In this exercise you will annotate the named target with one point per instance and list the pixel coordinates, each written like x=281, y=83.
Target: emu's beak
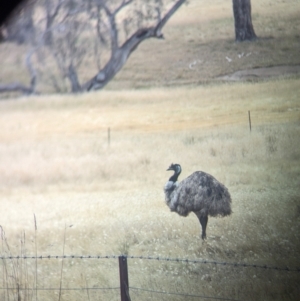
x=170, y=168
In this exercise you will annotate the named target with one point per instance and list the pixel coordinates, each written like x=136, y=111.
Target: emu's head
x=175, y=167
x=177, y=171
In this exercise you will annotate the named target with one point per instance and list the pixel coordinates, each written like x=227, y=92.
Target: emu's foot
x=203, y=236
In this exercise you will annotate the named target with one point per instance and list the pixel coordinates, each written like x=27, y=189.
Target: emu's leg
x=203, y=221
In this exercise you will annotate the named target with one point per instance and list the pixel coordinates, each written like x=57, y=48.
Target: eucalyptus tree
x=74, y=32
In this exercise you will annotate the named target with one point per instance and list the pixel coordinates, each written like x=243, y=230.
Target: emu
x=200, y=193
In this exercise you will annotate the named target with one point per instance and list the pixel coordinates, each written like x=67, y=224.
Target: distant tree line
x=68, y=32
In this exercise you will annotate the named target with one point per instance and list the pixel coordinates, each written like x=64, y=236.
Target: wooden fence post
x=124, y=285
x=249, y=120
x=108, y=136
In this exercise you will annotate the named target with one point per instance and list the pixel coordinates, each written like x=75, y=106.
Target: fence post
x=124, y=285
x=108, y=136
x=249, y=120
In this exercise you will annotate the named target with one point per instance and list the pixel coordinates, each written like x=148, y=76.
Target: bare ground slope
x=262, y=73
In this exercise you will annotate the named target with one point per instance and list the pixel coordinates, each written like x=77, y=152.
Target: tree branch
x=166, y=18
x=32, y=71
x=50, y=19
x=112, y=21
x=101, y=37
x=15, y=87
x=155, y=31
x=113, y=28
x=56, y=10
x=122, y=5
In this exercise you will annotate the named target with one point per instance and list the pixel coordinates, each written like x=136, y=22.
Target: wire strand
x=57, y=288
x=184, y=260
x=181, y=294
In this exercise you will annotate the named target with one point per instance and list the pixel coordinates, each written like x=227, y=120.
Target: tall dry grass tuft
x=18, y=279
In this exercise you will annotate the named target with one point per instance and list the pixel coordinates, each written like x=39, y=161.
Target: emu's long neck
x=175, y=176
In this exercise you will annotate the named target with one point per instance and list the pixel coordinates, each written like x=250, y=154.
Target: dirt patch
x=261, y=73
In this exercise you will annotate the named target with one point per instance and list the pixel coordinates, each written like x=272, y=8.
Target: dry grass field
x=91, y=197
x=56, y=163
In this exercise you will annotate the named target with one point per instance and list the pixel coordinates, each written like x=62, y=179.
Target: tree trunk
x=242, y=21
x=73, y=78
x=15, y=87
x=48, y=35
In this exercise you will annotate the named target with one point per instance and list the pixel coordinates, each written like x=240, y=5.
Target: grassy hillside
x=56, y=163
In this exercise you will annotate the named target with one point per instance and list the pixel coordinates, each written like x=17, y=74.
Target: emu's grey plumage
x=200, y=193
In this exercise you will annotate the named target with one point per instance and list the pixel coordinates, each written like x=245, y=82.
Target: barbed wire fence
x=122, y=286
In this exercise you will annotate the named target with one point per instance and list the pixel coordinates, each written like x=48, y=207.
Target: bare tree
x=71, y=31
x=244, y=30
